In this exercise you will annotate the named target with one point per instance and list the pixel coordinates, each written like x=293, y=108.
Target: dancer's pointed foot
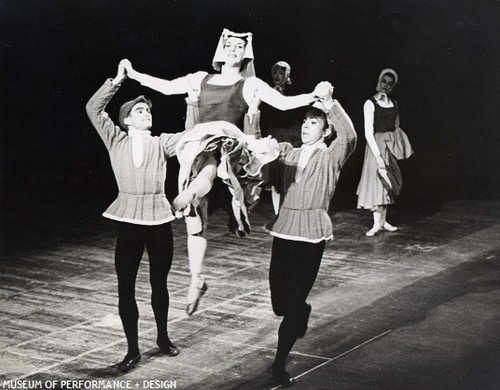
x=195, y=292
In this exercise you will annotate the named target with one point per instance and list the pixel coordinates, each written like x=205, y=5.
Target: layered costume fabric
x=393, y=143
x=240, y=160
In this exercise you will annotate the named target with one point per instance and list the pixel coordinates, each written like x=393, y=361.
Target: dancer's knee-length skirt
x=371, y=193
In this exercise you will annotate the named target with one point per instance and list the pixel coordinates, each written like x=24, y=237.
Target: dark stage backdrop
x=55, y=54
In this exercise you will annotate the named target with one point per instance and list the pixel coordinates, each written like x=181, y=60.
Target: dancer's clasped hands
x=323, y=90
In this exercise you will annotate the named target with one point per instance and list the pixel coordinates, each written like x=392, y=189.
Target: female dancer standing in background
x=385, y=142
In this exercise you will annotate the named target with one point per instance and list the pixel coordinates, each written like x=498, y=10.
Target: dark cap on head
x=127, y=107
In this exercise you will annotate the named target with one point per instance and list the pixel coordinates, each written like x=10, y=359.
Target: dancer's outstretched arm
x=178, y=86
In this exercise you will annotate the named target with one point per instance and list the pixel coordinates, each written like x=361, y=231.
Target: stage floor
x=415, y=309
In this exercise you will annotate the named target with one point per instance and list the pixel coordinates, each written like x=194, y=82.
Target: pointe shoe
x=128, y=363
x=167, y=347
x=374, y=230
x=387, y=226
x=283, y=378
x=194, y=295
x=234, y=228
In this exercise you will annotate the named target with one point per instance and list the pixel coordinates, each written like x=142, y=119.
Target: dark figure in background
x=141, y=209
x=282, y=125
x=385, y=143
x=307, y=179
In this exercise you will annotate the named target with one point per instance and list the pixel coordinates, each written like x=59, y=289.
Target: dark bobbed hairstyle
x=313, y=112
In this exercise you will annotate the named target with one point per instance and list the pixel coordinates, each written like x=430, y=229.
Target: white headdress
x=247, y=68
x=384, y=72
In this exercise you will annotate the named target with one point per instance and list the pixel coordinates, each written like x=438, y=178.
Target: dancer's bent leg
x=199, y=187
x=195, y=197
x=293, y=270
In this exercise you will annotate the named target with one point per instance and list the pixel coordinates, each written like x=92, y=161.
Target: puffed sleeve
x=169, y=141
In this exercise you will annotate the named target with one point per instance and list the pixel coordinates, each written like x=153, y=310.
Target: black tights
x=293, y=270
x=132, y=239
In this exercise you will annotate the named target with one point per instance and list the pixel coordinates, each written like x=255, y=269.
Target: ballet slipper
x=196, y=290
x=374, y=230
x=387, y=226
